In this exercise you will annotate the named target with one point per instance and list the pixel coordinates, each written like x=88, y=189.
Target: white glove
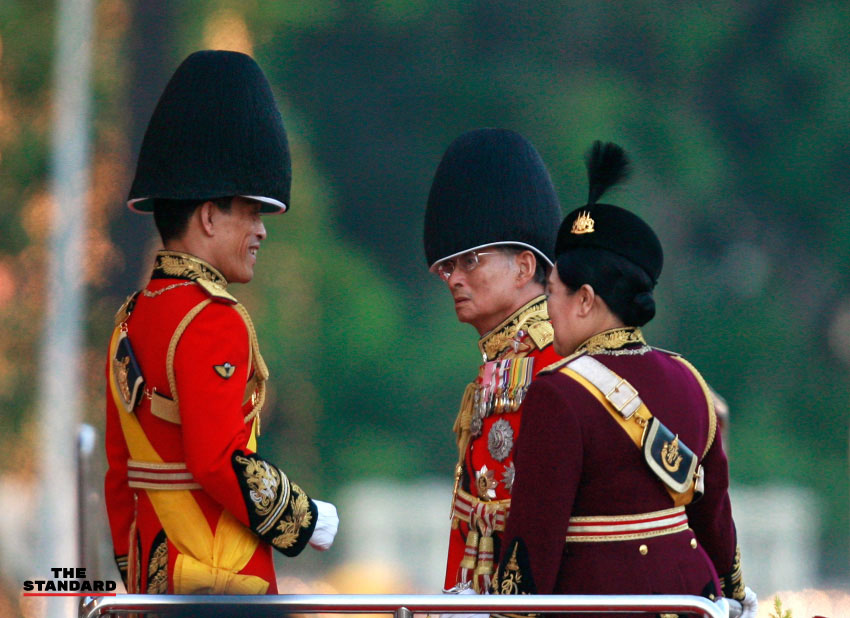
x=748, y=608
x=327, y=523
x=463, y=591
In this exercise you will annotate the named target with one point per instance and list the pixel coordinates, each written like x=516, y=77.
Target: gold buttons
x=643, y=549
x=694, y=543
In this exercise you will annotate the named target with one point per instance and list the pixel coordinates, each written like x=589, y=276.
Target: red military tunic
x=192, y=508
x=487, y=427
x=582, y=479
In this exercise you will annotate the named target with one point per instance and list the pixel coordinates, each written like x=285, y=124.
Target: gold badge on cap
x=583, y=224
x=224, y=371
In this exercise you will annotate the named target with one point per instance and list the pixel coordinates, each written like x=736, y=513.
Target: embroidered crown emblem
x=670, y=455
x=583, y=224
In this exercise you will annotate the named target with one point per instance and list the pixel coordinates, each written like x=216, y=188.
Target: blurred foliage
x=735, y=115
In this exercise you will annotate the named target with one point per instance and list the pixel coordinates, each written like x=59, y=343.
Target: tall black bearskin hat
x=491, y=188
x=603, y=226
x=215, y=132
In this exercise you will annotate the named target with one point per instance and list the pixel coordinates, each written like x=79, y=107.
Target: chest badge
x=670, y=457
x=500, y=440
x=485, y=482
x=224, y=371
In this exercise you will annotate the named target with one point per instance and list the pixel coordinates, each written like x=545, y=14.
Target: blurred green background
x=735, y=115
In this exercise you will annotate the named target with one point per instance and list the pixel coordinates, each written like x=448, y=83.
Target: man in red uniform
x=490, y=229
x=621, y=483
x=192, y=508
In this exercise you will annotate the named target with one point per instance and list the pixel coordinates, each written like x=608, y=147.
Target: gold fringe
x=464, y=417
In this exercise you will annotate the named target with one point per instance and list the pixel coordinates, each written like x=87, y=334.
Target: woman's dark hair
x=172, y=216
x=624, y=286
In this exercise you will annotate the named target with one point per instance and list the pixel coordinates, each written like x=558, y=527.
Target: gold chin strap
x=208, y=563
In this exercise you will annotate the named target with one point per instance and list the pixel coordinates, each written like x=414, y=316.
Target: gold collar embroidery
x=177, y=265
x=613, y=339
x=533, y=316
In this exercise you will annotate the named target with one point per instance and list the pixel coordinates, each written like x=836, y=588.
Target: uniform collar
x=611, y=340
x=532, y=318
x=178, y=265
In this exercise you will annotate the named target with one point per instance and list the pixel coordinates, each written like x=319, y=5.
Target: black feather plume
x=607, y=164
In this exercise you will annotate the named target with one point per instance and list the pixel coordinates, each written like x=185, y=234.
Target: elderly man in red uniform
x=490, y=227
x=621, y=482
x=193, y=509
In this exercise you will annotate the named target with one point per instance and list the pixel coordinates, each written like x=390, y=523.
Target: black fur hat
x=604, y=226
x=215, y=132
x=491, y=187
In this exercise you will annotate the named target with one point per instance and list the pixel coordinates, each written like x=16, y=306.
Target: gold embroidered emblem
x=263, y=481
x=291, y=525
x=158, y=570
x=583, y=224
x=670, y=457
x=513, y=576
x=121, y=368
x=224, y=371
x=612, y=340
x=735, y=579
x=185, y=266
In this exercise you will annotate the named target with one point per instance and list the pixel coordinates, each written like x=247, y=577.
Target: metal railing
x=402, y=606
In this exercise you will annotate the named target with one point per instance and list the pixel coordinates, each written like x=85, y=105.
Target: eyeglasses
x=467, y=262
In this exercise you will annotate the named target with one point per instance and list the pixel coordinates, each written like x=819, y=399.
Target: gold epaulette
x=541, y=333
x=124, y=312
x=216, y=291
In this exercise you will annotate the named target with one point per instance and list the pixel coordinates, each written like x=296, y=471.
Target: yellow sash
x=207, y=563
x=634, y=426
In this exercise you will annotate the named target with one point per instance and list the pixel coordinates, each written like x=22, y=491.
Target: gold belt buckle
x=616, y=389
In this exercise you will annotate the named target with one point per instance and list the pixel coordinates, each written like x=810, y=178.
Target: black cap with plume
x=216, y=132
x=604, y=226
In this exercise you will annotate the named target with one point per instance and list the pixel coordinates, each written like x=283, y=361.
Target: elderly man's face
x=487, y=293
x=240, y=233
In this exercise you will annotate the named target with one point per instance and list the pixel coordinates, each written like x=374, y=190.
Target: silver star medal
x=508, y=476
x=500, y=440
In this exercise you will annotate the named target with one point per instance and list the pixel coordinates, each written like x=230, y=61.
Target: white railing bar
x=402, y=606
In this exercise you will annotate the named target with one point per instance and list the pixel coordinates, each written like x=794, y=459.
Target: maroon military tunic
x=588, y=516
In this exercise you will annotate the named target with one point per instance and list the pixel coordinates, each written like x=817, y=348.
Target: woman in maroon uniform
x=621, y=479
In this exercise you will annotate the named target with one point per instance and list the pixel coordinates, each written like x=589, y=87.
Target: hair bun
x=643, y=308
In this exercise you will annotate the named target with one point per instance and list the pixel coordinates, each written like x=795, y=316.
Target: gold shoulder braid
x=177, y=265
x=532, y=318
x=261, y=370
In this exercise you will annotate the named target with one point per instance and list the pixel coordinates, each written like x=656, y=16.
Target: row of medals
x=501, y=389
